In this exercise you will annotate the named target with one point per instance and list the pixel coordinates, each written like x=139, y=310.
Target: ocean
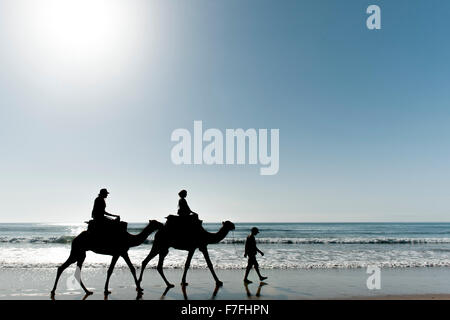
x=286, y=246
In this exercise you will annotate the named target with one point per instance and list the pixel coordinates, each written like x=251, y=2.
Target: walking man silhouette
x=251, y=250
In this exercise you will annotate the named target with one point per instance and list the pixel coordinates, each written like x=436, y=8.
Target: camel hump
x=107, y=227
x=183, y=222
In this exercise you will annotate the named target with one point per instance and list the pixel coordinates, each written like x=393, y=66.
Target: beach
x=408, y=283
x=302, y=261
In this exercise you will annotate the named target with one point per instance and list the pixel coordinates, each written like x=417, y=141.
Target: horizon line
x=246, y=222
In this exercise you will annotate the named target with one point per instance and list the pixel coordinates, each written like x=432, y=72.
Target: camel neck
x=218, y=236
x=138, y=239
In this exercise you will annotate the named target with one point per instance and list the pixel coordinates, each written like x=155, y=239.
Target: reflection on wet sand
x=258, y=291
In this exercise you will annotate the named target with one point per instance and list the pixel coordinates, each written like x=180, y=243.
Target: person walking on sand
x=251, y=250
x=183, y=207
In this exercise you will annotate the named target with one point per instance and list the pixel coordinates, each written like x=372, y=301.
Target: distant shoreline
x=251, y=222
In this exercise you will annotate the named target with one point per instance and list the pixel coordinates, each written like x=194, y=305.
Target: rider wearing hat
x=98, y=212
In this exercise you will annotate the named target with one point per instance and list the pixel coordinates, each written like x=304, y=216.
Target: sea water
x=286, y=246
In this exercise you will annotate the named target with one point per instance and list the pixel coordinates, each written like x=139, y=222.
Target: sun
x=79, y=30
x=76, y=39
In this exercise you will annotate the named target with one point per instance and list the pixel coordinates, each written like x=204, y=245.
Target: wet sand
x=396, y=284
x=408, y=297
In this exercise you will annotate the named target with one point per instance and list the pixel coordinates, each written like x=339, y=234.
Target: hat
x=104, y=191
x=255, y=230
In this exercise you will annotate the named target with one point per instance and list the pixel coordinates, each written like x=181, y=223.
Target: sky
x=91, y=91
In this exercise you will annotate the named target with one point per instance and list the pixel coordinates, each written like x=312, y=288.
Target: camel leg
x=186, y=267
x=153, y=253
x=162, y=255
x=210, y=266
x=72, y=258
x=80, y=265
x=133, y=271
x=110, y=271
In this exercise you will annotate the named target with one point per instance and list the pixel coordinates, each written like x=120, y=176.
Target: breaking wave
x=287, y=241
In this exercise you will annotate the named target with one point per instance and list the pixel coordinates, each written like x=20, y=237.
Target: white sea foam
x=226, y=257
x=350, y=240
x=286, y=246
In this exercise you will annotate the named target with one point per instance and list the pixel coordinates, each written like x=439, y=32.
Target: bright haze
x=91, y=90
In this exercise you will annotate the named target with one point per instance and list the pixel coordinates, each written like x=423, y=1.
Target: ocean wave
x=380, y=240
x=38, y=240
x=287, y=241
x=43, y=240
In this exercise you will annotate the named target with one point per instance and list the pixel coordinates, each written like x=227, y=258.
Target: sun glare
x=76, y=38
x=79, y=30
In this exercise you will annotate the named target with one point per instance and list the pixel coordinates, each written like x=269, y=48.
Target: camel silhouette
x=188, y=240
x=113, y=245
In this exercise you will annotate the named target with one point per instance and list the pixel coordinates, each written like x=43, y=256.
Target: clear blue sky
x=90, y=92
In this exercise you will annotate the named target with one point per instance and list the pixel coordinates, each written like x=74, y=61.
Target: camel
x=115, y=246
x=188, y=240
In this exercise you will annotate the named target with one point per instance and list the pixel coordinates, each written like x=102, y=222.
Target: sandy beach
x=302, y=261
x=410, y=297
x=407, y=283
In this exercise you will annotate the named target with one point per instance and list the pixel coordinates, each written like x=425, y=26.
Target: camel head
x=155, y=225
x=228, y=225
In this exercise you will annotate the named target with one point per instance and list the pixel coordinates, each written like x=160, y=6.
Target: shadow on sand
x=258, y=291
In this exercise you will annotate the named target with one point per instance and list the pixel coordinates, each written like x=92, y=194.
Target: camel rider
x=183, y=207
x=98, y=212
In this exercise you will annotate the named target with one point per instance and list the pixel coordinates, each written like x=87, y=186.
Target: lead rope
x=234, y=244
x=238, y=255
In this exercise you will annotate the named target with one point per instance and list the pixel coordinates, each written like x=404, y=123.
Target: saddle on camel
x=183, y=224
x=101, y=225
